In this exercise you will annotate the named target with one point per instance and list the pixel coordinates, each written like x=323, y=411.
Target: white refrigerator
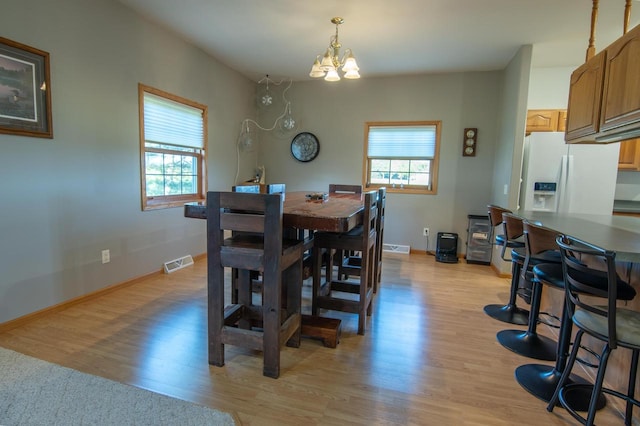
x=568, y=178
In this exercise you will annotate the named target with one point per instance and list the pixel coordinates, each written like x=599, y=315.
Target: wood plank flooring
x=429, y=356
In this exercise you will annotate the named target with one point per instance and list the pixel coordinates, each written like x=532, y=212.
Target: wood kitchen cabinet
x=562, y=120
x=585, y=92
x=621, y=96
x=604, y=93
x=546, y=120
x=629, y=155
x=542, y=120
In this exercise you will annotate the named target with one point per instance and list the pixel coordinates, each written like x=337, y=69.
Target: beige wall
x=336, y=114
x=64, y=200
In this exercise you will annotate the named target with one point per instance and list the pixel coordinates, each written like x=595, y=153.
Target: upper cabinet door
x=621, y=98
x=585, y=93
x=542, y=120
x=629, y=155
x=562, y=120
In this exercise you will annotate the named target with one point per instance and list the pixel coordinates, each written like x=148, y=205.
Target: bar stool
x=541, y=380
x=256, y=244
x=363, y=239
x=614, y=326
x=495, y=218
x=513, y=233
x=540, y=247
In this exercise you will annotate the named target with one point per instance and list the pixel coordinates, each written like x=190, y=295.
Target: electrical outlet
x=106, y=256
x=425, y=232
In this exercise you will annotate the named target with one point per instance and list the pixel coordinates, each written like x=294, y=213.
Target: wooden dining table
x=339, y=212
x=330, y=212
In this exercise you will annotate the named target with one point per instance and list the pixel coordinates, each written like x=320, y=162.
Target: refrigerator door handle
x=563, y=180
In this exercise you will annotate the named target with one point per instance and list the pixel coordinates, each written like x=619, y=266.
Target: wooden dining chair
x=256, y=244
x=340, y=257
x=246, y=188
x=276, y=188
x=339, y=187
x=352, y=263
x=326, y=295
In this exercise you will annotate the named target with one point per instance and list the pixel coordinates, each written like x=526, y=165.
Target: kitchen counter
x=626, y=206
x=618, y=233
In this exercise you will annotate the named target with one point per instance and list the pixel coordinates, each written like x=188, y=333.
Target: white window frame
x=171, y=145
x=408, y=152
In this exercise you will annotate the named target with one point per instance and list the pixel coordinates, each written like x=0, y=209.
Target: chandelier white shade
x=327, y=65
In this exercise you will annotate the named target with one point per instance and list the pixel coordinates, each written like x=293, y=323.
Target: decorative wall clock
x=305, y=147
x=469, y=142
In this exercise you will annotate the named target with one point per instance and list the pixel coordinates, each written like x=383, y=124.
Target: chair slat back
x=247, y=212
x=382, y=202
x=538, y=238
x=495, y=214
x=276, y=188
x=354, y=189
x=254, y=189
x=370, y=213
x=242, y=222
x=513, y=226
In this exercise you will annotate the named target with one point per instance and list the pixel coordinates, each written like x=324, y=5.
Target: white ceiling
x=282, y=37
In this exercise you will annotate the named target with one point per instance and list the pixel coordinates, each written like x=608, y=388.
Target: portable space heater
x=447, y=247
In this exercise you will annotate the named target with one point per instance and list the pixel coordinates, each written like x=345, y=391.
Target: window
x=173, y=134
x=403, y=156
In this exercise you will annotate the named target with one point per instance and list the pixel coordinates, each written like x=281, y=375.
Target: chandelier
x=327, y=66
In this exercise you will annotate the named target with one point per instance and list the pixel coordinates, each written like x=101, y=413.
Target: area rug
x=35, y=392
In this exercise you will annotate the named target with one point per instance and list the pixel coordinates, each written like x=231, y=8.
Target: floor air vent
x=396, y=248
x=174, y=265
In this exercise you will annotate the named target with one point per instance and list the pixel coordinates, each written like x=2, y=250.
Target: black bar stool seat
x=540, y=249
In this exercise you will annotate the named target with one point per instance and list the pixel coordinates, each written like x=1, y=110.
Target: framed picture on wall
x=25, y=90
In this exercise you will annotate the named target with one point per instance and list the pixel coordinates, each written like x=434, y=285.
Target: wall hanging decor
x=25, y=90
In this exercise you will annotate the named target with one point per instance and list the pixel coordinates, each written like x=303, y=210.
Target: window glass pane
x=188, y=165
x=379, y=177
x=380, y=164
x=155, y=185
x=172, y=185
x=188, y=185
x=154, y=163
x=400, y=165
x=399, y=177
x=419, y=179
x=420, y=166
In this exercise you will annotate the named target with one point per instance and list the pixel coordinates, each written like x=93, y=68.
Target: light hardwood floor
x=429, y=356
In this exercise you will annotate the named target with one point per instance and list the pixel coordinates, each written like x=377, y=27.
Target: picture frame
x=25, y=90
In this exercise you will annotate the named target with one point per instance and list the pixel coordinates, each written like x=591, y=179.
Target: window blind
x=402, y=141
x=171, y=122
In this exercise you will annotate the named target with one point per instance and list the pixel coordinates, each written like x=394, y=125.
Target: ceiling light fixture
x=327, y=66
